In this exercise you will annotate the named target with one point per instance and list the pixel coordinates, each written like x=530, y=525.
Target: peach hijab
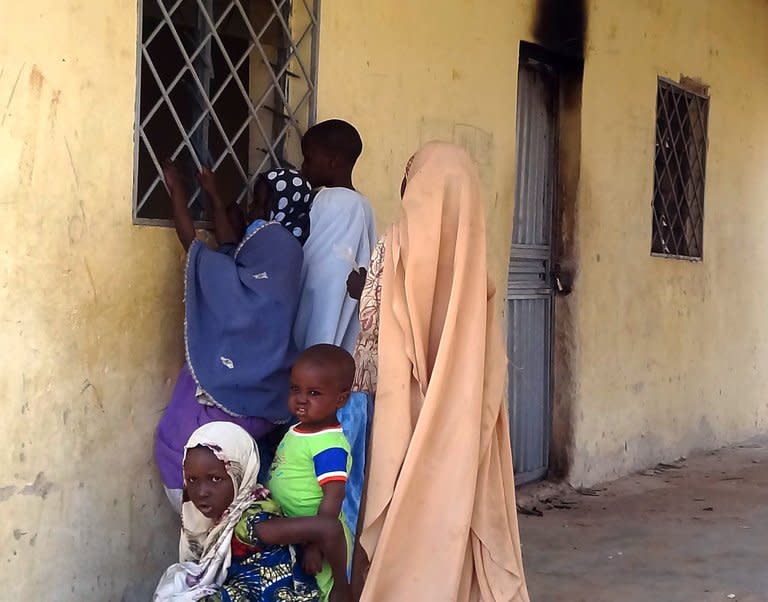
x=440, y=519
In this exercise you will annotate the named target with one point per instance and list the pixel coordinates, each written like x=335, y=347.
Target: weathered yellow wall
x=89, y=313
x=671, y=354
x=668, y=354
x=409, y=72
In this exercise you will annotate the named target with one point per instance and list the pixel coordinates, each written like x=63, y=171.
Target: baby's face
x=315, y=394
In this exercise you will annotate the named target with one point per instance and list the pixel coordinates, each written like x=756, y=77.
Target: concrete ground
x=692, y=531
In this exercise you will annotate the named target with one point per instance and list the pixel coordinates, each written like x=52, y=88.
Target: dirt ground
x=695, y=530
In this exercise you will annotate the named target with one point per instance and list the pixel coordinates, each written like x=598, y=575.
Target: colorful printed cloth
x=261, y=572
x=367, y=348
x=357, y=413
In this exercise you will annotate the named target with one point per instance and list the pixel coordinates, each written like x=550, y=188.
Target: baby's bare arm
x=333, y=498
x=330, y=507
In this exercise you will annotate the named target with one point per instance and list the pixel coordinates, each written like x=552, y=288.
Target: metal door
x=529, y=288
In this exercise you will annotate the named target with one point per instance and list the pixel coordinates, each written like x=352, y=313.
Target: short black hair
x=336, y=358
x=337, y=137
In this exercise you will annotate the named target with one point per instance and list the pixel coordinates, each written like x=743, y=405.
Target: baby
x=309, y=473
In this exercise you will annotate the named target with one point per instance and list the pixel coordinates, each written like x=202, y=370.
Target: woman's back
x=240, y=309
x=440, y=460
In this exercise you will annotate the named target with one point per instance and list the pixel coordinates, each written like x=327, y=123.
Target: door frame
x=533, y=57
x=563, y=385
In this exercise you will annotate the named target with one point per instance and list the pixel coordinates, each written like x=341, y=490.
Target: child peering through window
x=289, y=199
x=234, y=544
x=235, y=374
x=309, y=473
x=282, y=195
x=343, y=233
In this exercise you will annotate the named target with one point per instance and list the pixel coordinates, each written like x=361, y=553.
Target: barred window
x=225, y=83
x=679, y=171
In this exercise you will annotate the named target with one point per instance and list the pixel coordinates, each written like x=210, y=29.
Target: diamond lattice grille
x=681, y=157
x=224, y=83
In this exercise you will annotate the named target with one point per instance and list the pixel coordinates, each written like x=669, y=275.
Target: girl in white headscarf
x=234, y=544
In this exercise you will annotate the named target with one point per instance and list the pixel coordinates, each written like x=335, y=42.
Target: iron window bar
x=679, y=172
x=291, y=108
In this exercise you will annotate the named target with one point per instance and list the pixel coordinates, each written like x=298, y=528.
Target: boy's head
x=331, y=149
x=321, y=381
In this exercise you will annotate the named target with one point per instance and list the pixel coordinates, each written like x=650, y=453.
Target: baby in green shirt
x=309, y=473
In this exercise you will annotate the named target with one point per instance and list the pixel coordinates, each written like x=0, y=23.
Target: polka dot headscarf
x=292, y=198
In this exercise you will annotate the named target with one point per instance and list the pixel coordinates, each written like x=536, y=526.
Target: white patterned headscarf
x=205, y=547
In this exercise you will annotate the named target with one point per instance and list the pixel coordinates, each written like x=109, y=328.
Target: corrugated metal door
x=529, y=288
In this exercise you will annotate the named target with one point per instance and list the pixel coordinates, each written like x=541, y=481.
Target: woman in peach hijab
x=438, y=520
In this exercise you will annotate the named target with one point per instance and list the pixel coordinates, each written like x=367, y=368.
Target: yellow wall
x=406, y=73
x=668, y=355
x=671, y=354
x=89, y=313
x=91, y=305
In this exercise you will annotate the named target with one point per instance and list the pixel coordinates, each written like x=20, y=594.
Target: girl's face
x=208, y=484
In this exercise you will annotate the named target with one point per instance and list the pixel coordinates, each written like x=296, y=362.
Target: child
x=234, y=544
x=343, y=232
x=281, y=195
x=309, y=473
x=234, y=374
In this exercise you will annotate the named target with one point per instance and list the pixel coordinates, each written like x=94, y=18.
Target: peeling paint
x=7, y=492
x=88, y=387
x=41, y=487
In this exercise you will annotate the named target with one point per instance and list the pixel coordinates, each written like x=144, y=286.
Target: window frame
x=700, y=92
x=313, y=9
